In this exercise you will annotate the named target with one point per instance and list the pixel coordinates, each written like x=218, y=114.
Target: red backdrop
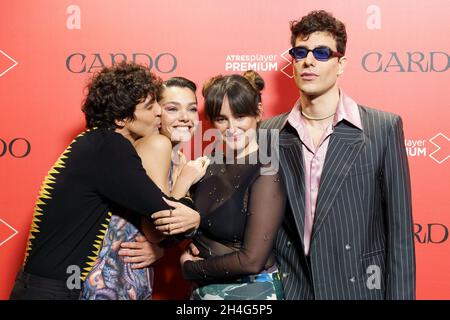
x=399, y=61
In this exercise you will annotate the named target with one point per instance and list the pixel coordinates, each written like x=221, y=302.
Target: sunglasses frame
x=333, y=54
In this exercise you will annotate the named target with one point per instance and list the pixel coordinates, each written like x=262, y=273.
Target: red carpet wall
x=399, y=62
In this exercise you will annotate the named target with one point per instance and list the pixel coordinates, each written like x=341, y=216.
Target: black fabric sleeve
x=172, y=240
x=187, y=201
x=265, y=212
x=122, y=179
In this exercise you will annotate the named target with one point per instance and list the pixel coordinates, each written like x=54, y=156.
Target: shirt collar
x=347, y=109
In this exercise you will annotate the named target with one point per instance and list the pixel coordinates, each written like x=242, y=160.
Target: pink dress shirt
x=314, y=157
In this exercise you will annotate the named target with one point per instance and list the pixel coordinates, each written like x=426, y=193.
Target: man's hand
x=141, y=252
x=178, y=220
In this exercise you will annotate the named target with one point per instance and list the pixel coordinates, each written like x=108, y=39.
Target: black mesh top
x=241, y=211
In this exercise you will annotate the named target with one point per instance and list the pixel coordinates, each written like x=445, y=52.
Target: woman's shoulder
x=156, y=142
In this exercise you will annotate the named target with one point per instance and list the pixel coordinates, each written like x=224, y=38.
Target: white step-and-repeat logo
x=6, y=63
x=6, y=232
x=437, y=148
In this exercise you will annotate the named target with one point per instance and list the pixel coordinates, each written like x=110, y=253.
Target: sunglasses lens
x=298, y=53
x=322, y=53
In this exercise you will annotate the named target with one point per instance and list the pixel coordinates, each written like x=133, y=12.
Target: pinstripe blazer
x=362, y=239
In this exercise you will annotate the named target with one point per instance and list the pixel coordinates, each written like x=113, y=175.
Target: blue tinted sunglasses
x=319, y=53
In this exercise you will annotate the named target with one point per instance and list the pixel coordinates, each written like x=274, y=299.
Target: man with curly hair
x=99, y=173
x=348, y=230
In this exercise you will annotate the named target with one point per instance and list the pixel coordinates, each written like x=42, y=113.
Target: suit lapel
x=345, y=145
x=291, y=159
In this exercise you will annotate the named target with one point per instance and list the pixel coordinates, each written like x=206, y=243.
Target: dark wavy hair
x=180, y=82
x=243, y=92
x=320, y=21
x=114, y=92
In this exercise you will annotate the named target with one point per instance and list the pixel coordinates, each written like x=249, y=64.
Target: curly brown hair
x=320, y=21
x=114, y=92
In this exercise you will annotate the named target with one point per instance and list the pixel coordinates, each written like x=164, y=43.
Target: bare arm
x=190, y=174
x=155, y=152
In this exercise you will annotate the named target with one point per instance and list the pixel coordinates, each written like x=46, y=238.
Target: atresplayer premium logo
x=78, y=62
x=238, y=62
x=439, y=150
x=17, y=147
x=256, y=62
x=411, y=61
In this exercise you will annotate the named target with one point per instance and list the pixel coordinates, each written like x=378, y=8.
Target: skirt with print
x=263, y=286
x=111, y=278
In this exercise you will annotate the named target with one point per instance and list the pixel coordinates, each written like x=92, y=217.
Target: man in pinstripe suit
x=348, y=230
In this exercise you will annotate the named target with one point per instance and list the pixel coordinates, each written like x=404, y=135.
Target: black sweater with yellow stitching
x=100, y=170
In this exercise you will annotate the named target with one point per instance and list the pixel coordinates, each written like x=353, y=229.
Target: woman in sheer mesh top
x=241, y=204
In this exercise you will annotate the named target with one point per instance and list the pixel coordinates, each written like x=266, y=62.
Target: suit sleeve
x=401, y=270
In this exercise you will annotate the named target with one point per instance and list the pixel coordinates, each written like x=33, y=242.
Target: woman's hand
x=194, y=170
x=190, y=254
x=181, y=219
x=190, y=174
x=141, y=253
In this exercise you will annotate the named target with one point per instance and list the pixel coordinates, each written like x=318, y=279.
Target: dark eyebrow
x=151, y=101
x=178, y=103
x=319, y=46
x=174, y=102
